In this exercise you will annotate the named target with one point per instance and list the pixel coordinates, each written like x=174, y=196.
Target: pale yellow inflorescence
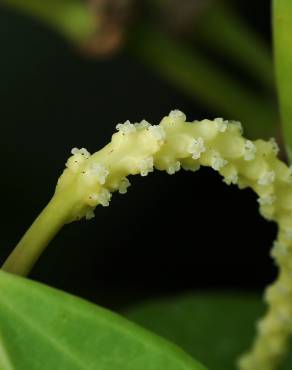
x=173, y=144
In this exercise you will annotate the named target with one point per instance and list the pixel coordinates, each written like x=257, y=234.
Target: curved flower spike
x=138, y=148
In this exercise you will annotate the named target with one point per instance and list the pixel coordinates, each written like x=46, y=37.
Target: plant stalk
x=38, y=236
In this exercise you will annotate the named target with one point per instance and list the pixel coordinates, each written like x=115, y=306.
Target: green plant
x=66, y=332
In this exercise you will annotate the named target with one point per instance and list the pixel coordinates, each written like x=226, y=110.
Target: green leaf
x=214, y=328
x=282, y=32
x=43, y=328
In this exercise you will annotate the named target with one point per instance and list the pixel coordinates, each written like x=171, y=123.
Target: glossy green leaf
x=43, y=328
x=214, y=328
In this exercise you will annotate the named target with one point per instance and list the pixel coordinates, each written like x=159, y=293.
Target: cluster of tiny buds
x=250, y=150
x=200, y=150
x=175, y=143
x=231, y=178
x=123, y=187
x=84, y=152
x=145, y=166
x=217, y=161
x=173, y=168
x=104, y=197
x=267, y=178
x=177, y=115
x=221, y=124
x=128, y=128
x=266, y=200
x=275, y=146
x=196, y=148
x=288, y=233
x=279, y=249
x=98, y=171
x=278, y=290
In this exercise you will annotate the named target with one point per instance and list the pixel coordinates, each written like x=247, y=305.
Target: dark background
x=169, y=234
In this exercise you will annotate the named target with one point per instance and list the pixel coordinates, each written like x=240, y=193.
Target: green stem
x=282, y=27
x=69, y=17
x=228, y=33
x=38, y=236
x=201, y=79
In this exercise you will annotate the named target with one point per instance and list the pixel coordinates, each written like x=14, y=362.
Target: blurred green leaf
x=225, y=31
x=214, y=328
x=282, y=30
x=178, y=63
x=203, y=80
x=218, y=26
x=72, y=18
x=43, y=328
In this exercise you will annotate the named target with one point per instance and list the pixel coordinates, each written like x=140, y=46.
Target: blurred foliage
x=215, y=58
x=282, y=25
x=98, y=28
x=215, y=328
x=198, y=76
x=68, y=17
